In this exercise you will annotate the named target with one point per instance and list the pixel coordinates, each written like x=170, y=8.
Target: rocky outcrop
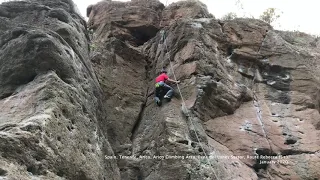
x=51, y=121
x=135, y=21
x=192, y=9
x=78, y=109
x=245, y=94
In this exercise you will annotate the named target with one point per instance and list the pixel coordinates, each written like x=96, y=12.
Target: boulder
x=135, y=21
x=192, y=9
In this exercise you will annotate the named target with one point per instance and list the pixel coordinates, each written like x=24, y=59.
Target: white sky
x=299, y=15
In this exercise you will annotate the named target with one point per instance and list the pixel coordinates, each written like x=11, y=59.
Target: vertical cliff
x=77, y=98
x=250, y=92
x=51, y=119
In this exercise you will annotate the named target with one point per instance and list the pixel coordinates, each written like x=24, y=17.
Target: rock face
x=51, y=121
x=192, y=9
x=78, y=109
x=251, y=92
x=135, y=21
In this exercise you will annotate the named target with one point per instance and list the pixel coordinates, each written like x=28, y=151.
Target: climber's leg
x=169, y=91
x=157, y=96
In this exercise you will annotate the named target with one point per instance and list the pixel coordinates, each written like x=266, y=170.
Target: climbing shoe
x=167, y=98
x=158, y=103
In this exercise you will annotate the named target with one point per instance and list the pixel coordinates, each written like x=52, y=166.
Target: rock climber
x=162, y=87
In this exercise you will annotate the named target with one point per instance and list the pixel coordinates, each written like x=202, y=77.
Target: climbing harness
x=159, y=84
x=187, y=111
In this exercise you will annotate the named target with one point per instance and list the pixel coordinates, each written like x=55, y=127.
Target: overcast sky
x=299, y=15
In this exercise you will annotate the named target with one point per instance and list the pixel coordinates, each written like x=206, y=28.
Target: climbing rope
x=187, y=111
x=256, y=104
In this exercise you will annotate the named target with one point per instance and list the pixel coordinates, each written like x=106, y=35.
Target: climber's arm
x=171, y=80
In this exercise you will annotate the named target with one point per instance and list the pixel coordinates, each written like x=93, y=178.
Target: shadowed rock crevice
x=289, y=152
x=264, y=156
x=122, y=73
x=143, y=34
x=140, y=115
x=3, y=172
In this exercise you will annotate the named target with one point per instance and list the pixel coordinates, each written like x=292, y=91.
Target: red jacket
x=162, y=77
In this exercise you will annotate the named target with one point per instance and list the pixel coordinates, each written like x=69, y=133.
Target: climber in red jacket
x=162, y=87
